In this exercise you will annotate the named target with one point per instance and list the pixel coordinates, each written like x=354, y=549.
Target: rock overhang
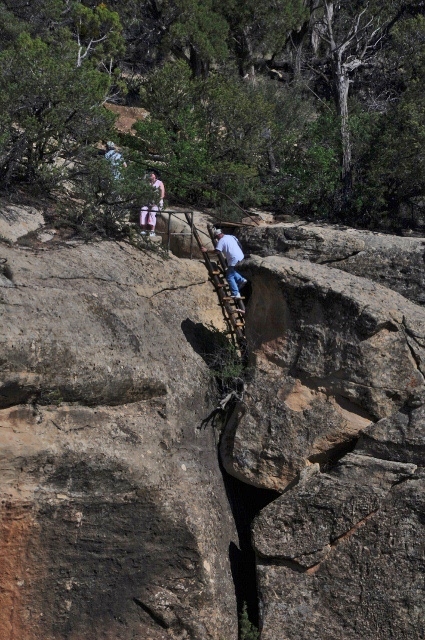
x=331, y=353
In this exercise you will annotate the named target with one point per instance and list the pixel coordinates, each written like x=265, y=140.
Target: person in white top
x=149, y=211
x=231, y=249
x=115, y=158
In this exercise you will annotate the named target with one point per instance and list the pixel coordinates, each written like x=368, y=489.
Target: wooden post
x=191, y=235
x=169, y=232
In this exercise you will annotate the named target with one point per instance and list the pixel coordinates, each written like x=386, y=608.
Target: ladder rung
x=216, y=273
x=236, y=311
x=239, y=324
x=231, y=298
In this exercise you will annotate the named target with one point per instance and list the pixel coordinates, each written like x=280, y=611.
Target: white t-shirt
x=157, y=185
x=116, y=161
x=230, y=247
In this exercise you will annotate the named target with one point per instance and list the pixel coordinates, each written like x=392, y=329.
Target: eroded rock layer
x=392, y=261
x=333, y=417
x=341, y=555
x=115, y=523
x=330, y=353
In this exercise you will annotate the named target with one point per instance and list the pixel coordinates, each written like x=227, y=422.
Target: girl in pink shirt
x=149, y=211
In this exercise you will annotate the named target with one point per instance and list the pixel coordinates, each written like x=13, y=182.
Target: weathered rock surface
x=115, y=524
x=399, y=437
x=17, y=221
x=395, y=262
x=337, y=372
x=126, y=116
x=341, y=555
x=330, y=353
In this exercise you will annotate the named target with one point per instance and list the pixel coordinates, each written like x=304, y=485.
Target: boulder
x=340, y=556
x=126, y=116
x=399, y=437
x=18, y=220
x=392, y=261
x=115, y=523
x=330, y=353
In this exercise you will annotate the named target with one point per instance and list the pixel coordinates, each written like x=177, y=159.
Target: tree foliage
x=247, y=631
x=97, y=32
x=103, y=204
x=49, y=108
x=260, y=31
x=55, y=75
x=392, y=165
x=200, y=29
x=302, y=106
x=212, y=135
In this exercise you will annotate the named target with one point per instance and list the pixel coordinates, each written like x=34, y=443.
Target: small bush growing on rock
x=247, y=631
x=50, y=397
x=225, y=363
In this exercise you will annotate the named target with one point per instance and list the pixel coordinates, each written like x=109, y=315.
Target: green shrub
x=224, y=361
x=99, y=204
x=247, y=631
x=208, y=133
x=49, y=109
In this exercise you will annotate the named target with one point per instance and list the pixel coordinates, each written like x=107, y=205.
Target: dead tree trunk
x=356, y=44
x=342, y=91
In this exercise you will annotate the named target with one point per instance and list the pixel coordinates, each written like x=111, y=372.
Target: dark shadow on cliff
x=245, y=502
x=112, y=543
x=221, y=356
x=204, y=341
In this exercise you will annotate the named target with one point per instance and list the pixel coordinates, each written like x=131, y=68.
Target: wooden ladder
x=233, y=308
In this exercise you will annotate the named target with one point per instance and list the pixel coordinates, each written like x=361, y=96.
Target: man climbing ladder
x=231, y=248
x=233, y=308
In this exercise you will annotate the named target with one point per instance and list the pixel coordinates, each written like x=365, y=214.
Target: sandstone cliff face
x=333, y=417
x=341, y=555
x=330, y=353
x=114, y=520
x=395, y=262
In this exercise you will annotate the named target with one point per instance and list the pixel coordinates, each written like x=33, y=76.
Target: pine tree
x=247, y=631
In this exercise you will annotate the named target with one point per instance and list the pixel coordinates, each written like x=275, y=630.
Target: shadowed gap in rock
x=330, y=458
x=203, y=340
x=245, y=502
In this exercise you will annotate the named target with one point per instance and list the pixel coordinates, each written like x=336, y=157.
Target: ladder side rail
x=228, y=312
x=218, y=282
